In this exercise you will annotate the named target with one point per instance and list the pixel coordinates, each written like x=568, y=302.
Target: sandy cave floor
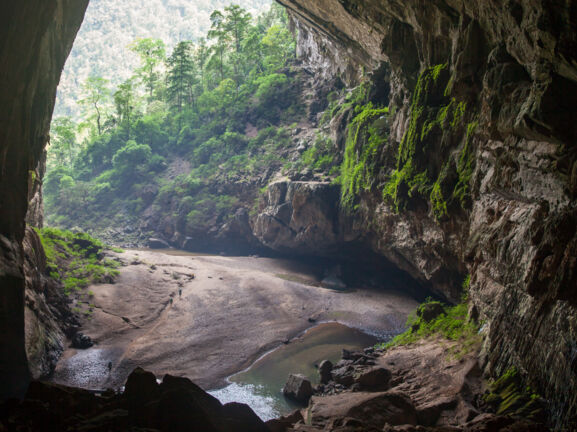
x=232, y=310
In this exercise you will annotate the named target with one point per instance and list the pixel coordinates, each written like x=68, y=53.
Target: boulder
x=372, y=410
x=63, y=400
x=141, y=387
x=156, y=243
x=282, y=424
x=325, y=369
x=343, y=375
x=240, y=417
x=179, y=410
x=374, y=379
x=209, y=402
x=298, y=388
x=81, y=341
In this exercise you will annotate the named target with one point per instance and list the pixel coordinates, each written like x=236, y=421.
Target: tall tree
x=95, y=99
x=236, y=23
x=278, y=44
x=62, y=142
x=218, y=32
x=125, y=100
x=201, y=55
x=152, y=54
x=181, y=75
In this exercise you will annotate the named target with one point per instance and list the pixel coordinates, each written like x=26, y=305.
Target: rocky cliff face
x=484, y=96
x=35, y=38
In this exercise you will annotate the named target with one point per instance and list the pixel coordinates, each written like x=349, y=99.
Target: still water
x=260, y=386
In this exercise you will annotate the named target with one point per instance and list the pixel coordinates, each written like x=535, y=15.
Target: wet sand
x=232, y=310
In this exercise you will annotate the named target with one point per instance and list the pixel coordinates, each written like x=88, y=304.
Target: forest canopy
x=185, y=116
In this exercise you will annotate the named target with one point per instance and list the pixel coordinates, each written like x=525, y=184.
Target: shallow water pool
x=260, y=386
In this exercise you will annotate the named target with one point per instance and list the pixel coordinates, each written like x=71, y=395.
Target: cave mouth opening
x=358, y=265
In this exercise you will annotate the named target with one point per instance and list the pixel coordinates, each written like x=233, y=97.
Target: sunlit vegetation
x=212, y=110
x=76, y=260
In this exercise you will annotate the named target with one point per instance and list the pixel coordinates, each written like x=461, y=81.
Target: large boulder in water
x=298, y=388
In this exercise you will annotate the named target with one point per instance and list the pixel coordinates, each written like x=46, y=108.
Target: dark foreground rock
x=81, y=341
x=177, y=404
x=416, y=388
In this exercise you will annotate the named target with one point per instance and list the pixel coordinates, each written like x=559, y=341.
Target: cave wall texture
x=35, y=39
x=513, y=67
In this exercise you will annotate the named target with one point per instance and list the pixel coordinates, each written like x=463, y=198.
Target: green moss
x=465, y=167
x=509, y=396
x=437, y=198
x=365, y=138
x=458, y=114
x=439, y=205
x=410, y=177
x=75, y=259
x=465, y=286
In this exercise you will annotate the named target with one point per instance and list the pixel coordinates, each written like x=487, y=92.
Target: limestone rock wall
x=513, y=63
x=35, y=39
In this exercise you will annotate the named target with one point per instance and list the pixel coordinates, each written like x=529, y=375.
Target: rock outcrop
x=299, y=217
x=422, y=387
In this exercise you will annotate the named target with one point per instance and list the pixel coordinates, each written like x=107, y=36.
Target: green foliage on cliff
x=433, y=115
x=453, y=324
x=465, y=167
x=212, y=111
x=322, y=156
x=509, y=396
x=410, y=176
x=75, y=259
x=366, y=137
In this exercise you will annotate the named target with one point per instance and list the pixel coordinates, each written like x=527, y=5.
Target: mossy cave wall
x=476, y=174
x=479, y=174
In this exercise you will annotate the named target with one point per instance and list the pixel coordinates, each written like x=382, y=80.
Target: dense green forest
x=207, y=111
x=109, y=26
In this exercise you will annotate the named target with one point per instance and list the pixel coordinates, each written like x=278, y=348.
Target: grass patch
x=451, y=323
x=76, y=259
